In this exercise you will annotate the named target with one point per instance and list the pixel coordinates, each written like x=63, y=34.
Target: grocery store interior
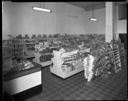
x=64, y=51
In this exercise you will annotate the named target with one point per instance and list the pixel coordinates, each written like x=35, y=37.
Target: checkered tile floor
x=76, y=87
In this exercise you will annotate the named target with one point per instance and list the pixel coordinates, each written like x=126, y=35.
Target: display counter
x=42, y=55
x=66, y=64
x=21, y=82
x=43, y=59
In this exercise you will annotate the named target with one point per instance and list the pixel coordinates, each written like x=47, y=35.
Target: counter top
x=13, y=75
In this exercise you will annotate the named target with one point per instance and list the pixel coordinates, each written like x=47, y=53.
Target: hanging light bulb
x=42, y=9
x=93, y=16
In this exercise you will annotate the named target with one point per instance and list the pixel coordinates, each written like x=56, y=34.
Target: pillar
x=111, y=21
x=115, y=16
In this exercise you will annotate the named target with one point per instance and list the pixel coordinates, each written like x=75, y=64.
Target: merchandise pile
x=107, y=58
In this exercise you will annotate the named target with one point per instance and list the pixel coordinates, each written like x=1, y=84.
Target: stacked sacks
x=104, y=63
x=100, y=62
x=90, y=60
x=88, y=67
x=97, y=52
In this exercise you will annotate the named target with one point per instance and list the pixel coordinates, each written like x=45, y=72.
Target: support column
x=115, y=21
x=111, y=21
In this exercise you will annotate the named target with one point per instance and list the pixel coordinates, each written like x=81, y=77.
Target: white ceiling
x=89, y=5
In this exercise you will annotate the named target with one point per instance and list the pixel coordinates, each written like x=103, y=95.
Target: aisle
x=76, y=87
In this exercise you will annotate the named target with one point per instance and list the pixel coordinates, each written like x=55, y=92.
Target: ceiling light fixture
x=93, y=16
x=93, y=19
x=42, y=9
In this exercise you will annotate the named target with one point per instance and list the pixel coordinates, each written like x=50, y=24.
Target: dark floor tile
x=77, y=88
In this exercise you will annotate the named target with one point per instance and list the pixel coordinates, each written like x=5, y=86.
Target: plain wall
x=96, y=27
x=122, y=26
x=19, y=18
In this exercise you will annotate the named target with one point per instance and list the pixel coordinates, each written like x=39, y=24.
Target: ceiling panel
x=89, y=5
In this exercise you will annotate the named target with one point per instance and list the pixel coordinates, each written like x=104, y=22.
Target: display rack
x=6, y=49
x=109, y=59
x=66, y=64
x=116, y=57
x=30, y=43
x=17, y=47
x=42, y=55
